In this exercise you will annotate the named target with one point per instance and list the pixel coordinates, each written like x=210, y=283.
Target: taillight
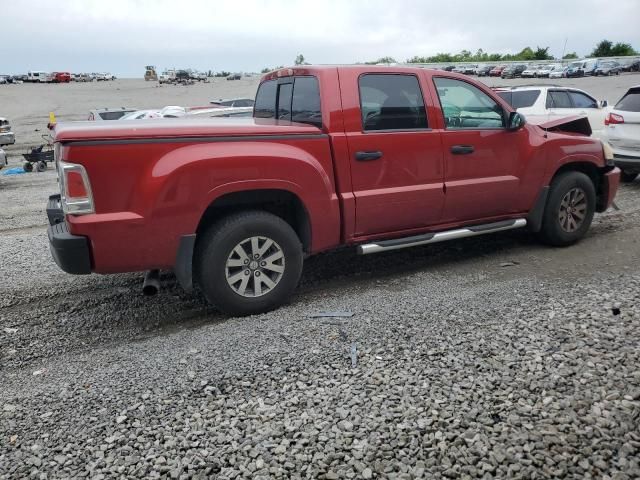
x=75, y=189
x=75, y=185
x=613, y=119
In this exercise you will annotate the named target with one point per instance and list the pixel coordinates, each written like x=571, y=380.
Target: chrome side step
x=435, y=237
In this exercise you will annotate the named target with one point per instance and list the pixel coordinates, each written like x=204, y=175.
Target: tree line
x=604, y=48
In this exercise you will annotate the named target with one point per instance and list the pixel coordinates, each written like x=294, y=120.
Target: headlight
x=608, y=152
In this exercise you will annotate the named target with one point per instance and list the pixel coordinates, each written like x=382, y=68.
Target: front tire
x=628, y=177
x=248, y=263
x=569, y=210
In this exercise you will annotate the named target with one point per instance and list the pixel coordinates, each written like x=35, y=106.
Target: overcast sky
x=122, y=36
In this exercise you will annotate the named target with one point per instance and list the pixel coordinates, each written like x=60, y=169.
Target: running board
x=435, y=237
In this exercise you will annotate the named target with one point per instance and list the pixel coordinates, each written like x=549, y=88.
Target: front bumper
x=610, y=184
x=7, y=138
x=70, y=252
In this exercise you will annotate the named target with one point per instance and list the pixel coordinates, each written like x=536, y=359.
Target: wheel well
x=590, y=170
x=282, y=203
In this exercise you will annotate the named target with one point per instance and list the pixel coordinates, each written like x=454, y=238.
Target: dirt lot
x=491, y=357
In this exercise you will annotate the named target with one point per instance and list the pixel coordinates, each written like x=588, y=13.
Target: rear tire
x=569, y=210
x=628, y=177
x=248, y=263
x=28, y=167
x=41, y=167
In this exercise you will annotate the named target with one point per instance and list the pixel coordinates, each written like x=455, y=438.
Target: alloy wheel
x=573, y=210
x=255, y=266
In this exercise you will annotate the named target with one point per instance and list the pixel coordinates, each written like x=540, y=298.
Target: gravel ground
x=491, y=357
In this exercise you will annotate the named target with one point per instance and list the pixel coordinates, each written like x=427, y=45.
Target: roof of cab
x=316, y=69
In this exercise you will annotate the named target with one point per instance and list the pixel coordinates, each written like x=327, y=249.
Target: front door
x=483, y=160
x=396, y=158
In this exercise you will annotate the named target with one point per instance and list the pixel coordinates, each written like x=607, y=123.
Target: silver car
x=100, y=114
x=7, y=137
x=622, y=131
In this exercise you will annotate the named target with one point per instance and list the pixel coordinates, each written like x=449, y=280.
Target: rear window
x=630, y=102
x=284, y=101
x=520, y=99
x=305, y=106
x=243, y=103
x=298, y=100
x=112, y=115
x=265, y=106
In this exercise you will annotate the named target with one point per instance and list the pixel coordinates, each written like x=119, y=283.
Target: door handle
x=462, y=149
x=367, y=156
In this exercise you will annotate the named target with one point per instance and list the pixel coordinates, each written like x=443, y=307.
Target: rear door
x=558, y=103
x=483, y=161
x=395, y=156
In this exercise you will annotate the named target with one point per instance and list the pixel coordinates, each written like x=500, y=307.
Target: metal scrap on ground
x=331, y=314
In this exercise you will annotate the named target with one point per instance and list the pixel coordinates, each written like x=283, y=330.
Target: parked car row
x=182, y=76
x=578, y=68
x=232, y=107
x=55, y=77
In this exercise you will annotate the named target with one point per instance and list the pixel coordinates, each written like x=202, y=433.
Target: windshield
x=112, y=115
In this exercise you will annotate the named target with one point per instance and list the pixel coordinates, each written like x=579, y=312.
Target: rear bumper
x=627, y=162
x=54, y=210
x=70, y=252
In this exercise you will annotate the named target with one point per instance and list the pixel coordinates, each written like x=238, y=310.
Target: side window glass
x=580, y=100
x=284, y=101
x=391, y=102
x=558, y=99
x=467, y=107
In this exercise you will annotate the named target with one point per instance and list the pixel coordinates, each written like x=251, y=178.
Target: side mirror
x=603, y=103
x=515, y=121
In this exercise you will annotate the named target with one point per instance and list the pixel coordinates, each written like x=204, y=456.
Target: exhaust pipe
x=151, y=284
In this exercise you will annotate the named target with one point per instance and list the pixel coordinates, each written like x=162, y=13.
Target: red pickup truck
x=380, y=158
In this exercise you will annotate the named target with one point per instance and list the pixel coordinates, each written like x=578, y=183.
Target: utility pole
x=564, y=49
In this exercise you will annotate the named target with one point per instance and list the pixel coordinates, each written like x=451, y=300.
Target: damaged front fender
x=570, y=124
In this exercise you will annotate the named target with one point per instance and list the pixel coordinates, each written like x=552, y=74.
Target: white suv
x=553, y=101
x=622, y=131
